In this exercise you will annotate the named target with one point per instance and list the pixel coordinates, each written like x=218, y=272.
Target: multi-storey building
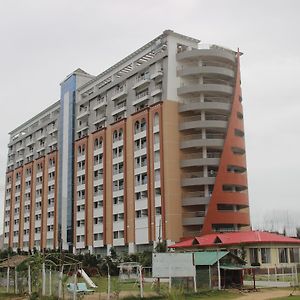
x=151, y=149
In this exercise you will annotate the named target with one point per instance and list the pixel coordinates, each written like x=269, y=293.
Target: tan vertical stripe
x=89, y=177
x=55, y=229
x=151, y=173
x=32, y=205
x=8, y=175
x=130, y=205
x=76, y=144
x=44, y=203
x=171, y=176
x=12, y=208
x=108, y=184
x=21, y=220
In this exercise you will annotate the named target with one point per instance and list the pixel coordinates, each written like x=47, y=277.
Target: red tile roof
x=234, y=238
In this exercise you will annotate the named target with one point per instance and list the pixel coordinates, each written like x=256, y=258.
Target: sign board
x=166, y=265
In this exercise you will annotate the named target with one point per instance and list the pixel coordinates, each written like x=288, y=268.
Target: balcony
x=198, y=141
x=83, y=112
x=83, y=126
x=141, y=81
x=208, y=89
x=196, y=198
x=100, y=118
x=193, y=218
x=197, y=162
x=119, y=108
x=20, y=147
x=52, y=142
x=191, y=124
x=196, y=178
x=210, y=53
x=29, y=153
x=40, y=136
x=100, y=103
x=141, y=98
x=30, y=142
x=120, y=92
x=212, y=71
x=195, y=105
x=156, y=74
x=52, y=129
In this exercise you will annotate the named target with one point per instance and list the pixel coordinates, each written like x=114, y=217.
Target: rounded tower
x=213, y=160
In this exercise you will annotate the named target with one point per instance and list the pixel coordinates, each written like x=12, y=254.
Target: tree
x=298, y=232
x=161, y=246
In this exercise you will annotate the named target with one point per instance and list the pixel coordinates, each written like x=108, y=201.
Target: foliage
x=241, y=253
x=161, y=246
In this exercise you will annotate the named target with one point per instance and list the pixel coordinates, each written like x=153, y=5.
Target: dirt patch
x=267, y=294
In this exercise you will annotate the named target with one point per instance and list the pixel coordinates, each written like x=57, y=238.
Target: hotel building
x=151, y=149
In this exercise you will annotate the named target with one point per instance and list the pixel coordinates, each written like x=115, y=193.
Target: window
x=253, y=255
x=143, y=125
x=294, y=255
x=115, y=136
x=283, y=255
x=118, y=234
x=156, y=119
x=98, y=236
x=265, y=255
x=141, y=213
x=80, y=223
x=156, y=138
x=158, y=210
x=239, y=133
x=98, y=143
x=98, y=204
x=98, y=220
x=136, y=127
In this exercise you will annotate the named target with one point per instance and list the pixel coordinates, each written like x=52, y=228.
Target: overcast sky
x=41, y=42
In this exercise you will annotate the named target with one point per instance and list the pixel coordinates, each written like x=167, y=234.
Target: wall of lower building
x=271, y=260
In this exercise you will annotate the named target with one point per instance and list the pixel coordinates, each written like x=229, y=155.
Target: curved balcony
x=200, y=162
x=190, y=201
x=193, y=218
x=216, y=124
x=214, y=54
x=196, y=141
x=192, y=181
x=207, y=88
x=204, y=106
x=219, y=72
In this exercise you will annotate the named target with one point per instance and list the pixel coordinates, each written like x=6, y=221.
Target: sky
x=41, y=42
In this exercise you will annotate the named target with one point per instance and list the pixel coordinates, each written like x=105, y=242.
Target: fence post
x=7, y=281
x=50, y=282
x=43, y=279
x=29, y=280
x=16, y=281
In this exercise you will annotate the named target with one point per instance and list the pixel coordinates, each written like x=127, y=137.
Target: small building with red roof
x=257, y=248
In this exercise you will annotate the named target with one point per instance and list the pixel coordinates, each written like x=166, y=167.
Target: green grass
x=288, y=298
x=101, y=282
x=178, y=295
